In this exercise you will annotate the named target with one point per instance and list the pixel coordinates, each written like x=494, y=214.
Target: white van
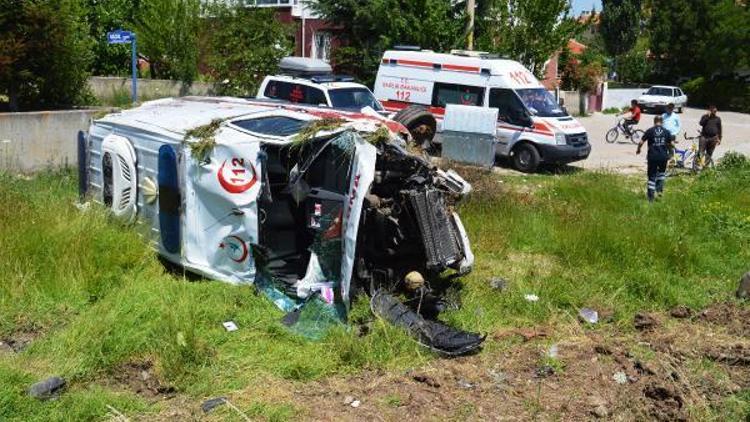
x=532, y=128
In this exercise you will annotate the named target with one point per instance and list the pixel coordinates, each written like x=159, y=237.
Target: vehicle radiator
x=436, y=229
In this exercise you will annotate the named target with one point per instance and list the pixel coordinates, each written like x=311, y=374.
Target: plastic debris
x=230, y=326
x=47, y=388
x=211, y=404
x=743, y=291
x=348, y=400
x=355, y=404
x=620, y=378
x=531, y=297
x=465, y=384
x=588, y=315
x=498, y=283
x=553, y=351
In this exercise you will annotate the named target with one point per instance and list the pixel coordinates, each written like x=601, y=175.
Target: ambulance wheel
x=420, y=123
x=526, y=158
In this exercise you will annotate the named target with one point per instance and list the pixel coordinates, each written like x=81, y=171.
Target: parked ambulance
x=532, y=128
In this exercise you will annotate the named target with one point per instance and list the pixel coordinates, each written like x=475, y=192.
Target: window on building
x=295, y=93
x=443, y=94
x=322, y=45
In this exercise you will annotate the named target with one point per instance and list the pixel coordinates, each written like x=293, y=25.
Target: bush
x=726, y=93
x=45, y=52
x=733, y=160
x=244, y=45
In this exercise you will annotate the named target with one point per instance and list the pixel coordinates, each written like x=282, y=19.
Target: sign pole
x=134, y=65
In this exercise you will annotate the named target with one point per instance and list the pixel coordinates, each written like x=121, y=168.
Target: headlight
x=560, y=139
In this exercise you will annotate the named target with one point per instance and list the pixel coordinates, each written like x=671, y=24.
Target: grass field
x=90, y=301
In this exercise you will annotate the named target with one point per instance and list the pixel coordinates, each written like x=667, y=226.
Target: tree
x=103, y=16
x=244, y=44
x=620, y=25
x=369, y=27
x=45, y=53
x=581, y=72
x=167, y=32
x=679, y=31
x=530, y=31
x=634, y=65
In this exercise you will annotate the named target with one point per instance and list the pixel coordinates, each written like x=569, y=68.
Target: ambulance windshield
x=540, y=102
x=353, y=98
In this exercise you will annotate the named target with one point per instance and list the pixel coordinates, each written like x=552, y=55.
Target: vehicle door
x=681, y=99
x=512, y=117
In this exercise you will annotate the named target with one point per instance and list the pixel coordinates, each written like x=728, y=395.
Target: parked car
x=656, y=98
x=532, y=128
x=309, y=204
x=310, y=81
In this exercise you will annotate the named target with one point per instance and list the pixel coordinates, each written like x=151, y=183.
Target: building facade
x=314, y=37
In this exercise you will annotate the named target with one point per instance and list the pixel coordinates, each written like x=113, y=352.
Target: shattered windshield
x=353, y=98
x=540, y=102
x=272, y=125
x=665, y=92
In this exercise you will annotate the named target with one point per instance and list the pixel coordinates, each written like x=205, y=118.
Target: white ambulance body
x=531, y=128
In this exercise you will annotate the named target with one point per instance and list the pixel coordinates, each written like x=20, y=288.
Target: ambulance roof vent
x=470, y=53
x=304, y=66
x=407, y=48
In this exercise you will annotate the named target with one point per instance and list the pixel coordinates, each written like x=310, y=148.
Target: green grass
x=95, y=297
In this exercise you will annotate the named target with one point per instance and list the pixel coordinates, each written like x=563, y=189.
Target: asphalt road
x=621, y=157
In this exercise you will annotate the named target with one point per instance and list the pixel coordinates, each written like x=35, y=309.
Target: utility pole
x=470, y=25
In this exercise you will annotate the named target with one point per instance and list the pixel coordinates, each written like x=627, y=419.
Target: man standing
x=672, y=124
x=659, y=142
x=710, y=134
x=672, y=121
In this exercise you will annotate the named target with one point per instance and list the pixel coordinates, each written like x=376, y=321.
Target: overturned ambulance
x=309, y=204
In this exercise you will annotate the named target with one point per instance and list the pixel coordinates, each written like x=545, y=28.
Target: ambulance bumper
x=562, y=154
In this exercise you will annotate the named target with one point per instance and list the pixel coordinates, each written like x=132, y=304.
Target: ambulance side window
x=509, y=106
x=443, y=94
x=295, y=93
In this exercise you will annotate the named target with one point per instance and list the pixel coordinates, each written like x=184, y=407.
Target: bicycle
x=635, y=136
x=699, y=163
x=683, y=158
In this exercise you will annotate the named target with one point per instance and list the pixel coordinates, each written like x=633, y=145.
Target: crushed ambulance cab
x=532, y=128
x=309, y=204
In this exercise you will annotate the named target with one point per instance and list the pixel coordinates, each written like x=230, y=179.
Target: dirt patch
x=140, y=378
x=735, y=318
x=19, y=340
x=679, y=369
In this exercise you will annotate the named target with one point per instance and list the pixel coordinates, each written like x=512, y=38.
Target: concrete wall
x=104, y=87
x=620, y=97
x=572, y=102
x=44, y=139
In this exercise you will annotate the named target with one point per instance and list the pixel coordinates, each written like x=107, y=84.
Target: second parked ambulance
x=532, y=128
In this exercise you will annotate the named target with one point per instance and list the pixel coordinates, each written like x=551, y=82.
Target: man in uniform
x=659, y=144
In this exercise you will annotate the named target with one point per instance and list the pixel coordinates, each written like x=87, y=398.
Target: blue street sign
x=120, y=37
x=123, y=37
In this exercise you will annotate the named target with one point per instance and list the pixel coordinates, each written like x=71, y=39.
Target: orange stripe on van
x=460, y=68
x=414, y=63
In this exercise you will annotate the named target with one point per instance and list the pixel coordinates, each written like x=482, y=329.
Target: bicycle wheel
x=697, y=164
x=611, y=136
x=637, y=136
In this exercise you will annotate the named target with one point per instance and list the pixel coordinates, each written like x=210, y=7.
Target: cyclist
x=710, y=133
x=659, y=142
x=634, y=116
